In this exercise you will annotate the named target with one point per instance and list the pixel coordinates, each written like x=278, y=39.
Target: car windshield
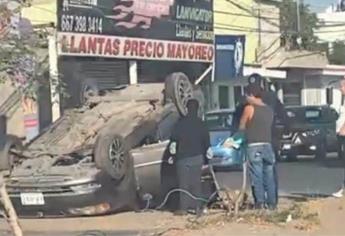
x=219, y=121
x=218, y=136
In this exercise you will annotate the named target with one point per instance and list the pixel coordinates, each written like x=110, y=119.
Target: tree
x=337, y=54
x=291, y=37
x=20, y=61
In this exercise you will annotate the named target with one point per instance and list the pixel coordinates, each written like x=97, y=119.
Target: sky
x=320, y=5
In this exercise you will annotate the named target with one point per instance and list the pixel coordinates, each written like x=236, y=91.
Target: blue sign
x=229, y=56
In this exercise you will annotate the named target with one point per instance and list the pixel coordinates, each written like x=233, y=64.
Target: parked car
x=105, y=157
x=221, y=126
x=311, y=131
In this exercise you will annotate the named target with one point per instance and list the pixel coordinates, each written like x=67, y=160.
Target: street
x=303, y=177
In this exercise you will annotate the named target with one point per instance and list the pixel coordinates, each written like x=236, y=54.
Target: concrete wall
x=230, y=19
x=313, y=90
x=334, y=27
x=15, y=116
x=41, y=12
x=269, y=24
x=313, y=87
x=242, y=18
x=262, y=34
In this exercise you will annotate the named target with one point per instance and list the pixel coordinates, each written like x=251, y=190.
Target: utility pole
x=54, y=77
x=298, y=16
x=259, y=22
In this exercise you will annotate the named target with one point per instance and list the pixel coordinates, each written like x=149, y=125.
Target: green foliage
x=22, y=61
x=289, y=25
x=337, y=55
x=22, y=65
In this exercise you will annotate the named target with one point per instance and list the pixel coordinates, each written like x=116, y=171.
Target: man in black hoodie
x=192, y=140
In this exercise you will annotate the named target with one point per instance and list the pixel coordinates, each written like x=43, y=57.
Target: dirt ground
x=319, y=217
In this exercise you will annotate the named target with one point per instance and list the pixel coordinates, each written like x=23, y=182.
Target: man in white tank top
x=340, y=130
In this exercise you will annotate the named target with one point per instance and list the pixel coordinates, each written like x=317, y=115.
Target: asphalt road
x=303, y=177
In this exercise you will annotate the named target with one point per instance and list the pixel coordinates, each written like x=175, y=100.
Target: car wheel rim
x=117, y=156
x=184, y=92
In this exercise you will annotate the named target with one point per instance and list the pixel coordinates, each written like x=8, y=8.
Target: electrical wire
x=188, y=194
x=227, y=26
x=241, y=7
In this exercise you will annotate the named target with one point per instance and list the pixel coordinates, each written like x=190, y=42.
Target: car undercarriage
x=108, y=156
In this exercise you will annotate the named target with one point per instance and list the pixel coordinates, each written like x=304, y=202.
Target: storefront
x=107, y=43
x=228, y=79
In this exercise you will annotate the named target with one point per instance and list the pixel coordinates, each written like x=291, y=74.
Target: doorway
x=223, y=97
x=237, y=94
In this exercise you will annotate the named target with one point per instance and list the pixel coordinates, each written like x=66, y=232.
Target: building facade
x=259, y=22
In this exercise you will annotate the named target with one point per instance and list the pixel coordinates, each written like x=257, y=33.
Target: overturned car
x=108, y=156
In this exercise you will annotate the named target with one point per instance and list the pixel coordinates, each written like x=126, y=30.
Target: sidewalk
x=124, y=222
x=330, y=221
x=85, y=233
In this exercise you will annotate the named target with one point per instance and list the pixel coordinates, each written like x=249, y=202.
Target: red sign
x=72, y=44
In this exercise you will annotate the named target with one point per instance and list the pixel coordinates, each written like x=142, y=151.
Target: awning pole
x=203, y=76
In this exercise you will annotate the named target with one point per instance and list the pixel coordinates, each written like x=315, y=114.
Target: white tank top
x=341, y=120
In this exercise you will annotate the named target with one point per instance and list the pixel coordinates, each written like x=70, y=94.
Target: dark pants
x=262, y=174
x=276, y=137
x=276, y=179
x=189, y=171
x=341, y=151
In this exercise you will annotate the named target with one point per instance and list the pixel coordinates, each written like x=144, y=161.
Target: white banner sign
x=72, y=44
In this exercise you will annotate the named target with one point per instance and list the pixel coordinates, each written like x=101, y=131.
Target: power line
x=243, y=28
x=244, y=15
x=226, y=26
x=251, y=12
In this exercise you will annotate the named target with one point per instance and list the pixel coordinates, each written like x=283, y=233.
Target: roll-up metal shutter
x=108, y=73
x=105, y=73
x=157, y=71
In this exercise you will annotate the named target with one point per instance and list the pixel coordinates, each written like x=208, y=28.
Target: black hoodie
x=191, y=134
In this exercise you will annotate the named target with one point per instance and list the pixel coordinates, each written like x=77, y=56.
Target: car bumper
x=89, y=197
x=301, y=149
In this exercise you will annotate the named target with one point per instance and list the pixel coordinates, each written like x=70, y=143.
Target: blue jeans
x=261, y=163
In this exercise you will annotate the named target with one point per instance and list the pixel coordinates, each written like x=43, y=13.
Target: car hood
x=56, y=169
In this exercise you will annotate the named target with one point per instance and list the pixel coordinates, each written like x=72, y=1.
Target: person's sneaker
x=339, y=194
x=259, y=206
x=271, y=207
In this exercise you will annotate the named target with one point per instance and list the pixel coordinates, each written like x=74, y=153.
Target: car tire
x=179, y=90
x=6, y=159
x=321, y=151
x=111, y=154
x=88, y=89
